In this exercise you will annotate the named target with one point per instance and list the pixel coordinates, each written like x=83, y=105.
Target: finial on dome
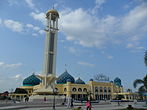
x=65, y=67
x=33, y=73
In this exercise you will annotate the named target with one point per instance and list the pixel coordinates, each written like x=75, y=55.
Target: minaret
x=48, y=77
x=51, y=43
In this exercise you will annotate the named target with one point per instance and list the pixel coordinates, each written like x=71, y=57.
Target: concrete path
x=47, y=106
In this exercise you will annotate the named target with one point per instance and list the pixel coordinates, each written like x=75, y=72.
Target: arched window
x=80, y=90
x=85, y=90
x=96, y=89
x=105, y=89
x=74, y=89
x=65, y=89
x=109, y=89
x=101, y=89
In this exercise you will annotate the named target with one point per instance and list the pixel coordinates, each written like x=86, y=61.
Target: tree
x=129, y=90
x=143, y=81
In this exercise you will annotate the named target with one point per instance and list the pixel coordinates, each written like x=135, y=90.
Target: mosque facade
x=67, y=86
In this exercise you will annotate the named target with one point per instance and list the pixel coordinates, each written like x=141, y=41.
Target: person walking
x=71, y=103
x=88, y=105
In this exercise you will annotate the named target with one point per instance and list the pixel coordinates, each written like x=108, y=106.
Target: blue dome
x=62, y=79
x=79, y=81
x=31, y=81
x=117, y=81
x=111, y=81
x=91, y=80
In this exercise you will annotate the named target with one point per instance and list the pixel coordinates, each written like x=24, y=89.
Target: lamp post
x=54, y=93
x=96, y=94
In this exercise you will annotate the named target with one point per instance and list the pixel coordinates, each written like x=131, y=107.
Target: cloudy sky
x=96, y=37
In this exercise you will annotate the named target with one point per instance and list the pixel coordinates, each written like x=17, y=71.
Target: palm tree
x=143, y=81
x=142, y=88
x=145, y=58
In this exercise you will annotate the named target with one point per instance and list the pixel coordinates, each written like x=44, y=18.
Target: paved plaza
x=48, y=106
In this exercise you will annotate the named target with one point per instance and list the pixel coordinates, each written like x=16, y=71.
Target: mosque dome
x=79, y=81
x=31, y=80
x=91, y=80
x=117, y=81
x=54, y=14
x=65, y=77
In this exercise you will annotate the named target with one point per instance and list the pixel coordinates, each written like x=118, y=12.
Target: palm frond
x=145, y=81
x=141, y=89
x=138, y=81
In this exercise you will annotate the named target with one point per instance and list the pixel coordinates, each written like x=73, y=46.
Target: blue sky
x=96, y=37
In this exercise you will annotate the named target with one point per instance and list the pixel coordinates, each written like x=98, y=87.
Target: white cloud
x=82, y=28
x=5, y=65
x=35, y=28
x=135, y=18
x=98, y=4
x=31, y=5
x=86, y=64
x=41, y=31
x=38, y=16
x=17, y=77
x=13, y=25
x=85, y=29
x=135, y=47
x=29, y=25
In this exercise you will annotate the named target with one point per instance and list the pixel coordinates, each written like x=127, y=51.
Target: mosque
x=66, y=85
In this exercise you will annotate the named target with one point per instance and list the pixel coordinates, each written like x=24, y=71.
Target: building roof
x=31, y=80
x=53, y=12
x=62, y=79
x=79, y=81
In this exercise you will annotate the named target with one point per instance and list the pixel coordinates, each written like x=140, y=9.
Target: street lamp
x=96, y=94
x=54, y=93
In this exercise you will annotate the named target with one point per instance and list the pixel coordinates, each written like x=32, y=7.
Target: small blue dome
x=117, y=81
x=79, y=81
x=31, y=81
x=62, y=79
x=91, y=80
